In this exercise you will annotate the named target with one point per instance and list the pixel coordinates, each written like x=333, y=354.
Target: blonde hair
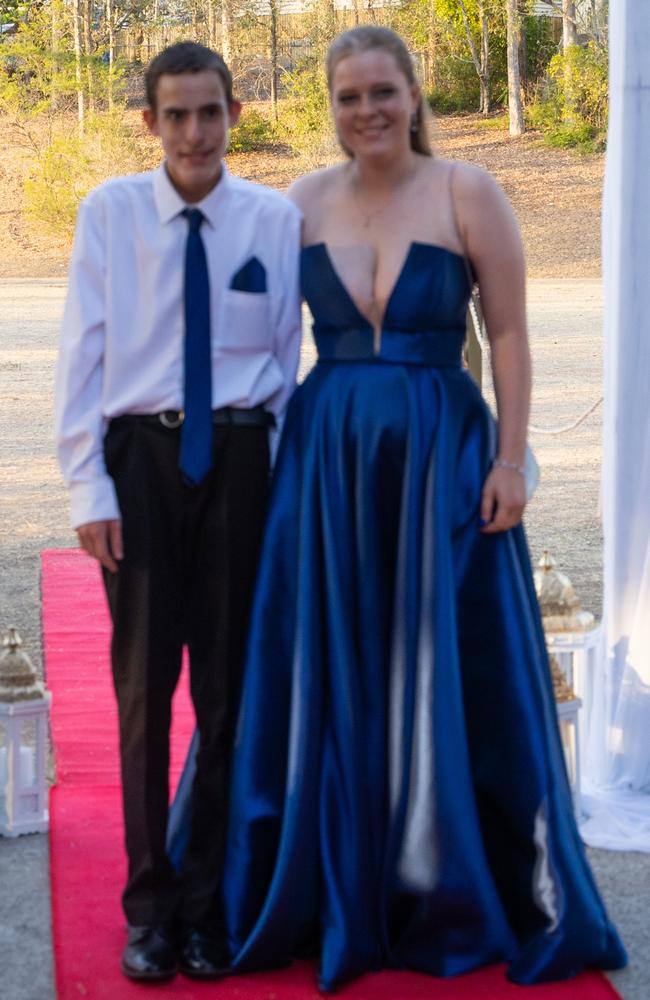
x=372, y=36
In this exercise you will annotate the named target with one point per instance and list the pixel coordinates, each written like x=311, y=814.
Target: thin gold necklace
x=367, y=217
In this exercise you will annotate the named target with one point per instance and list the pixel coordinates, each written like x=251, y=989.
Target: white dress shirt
x=121, y=347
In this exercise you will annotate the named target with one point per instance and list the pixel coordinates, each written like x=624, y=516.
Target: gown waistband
x=441, y=347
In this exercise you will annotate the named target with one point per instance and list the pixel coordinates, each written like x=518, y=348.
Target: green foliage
x=540, y=46
x=12, y=11
x=305, y=114
x=320, y=26
x=455, y=96
x=455, y=83
x=582, y=76
x=572, y=103
x=493, y=123
x=582, y=137
x=57, y=183
x=71, y=165
x=37, y=77
x=455, y=80
x=253, y=131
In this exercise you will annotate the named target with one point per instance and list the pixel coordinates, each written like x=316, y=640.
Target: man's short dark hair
x=185, y=57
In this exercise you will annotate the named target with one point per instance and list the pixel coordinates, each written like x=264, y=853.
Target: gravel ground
x=563, y=517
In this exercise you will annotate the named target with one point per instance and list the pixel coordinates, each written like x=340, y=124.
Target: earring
x=415, y=122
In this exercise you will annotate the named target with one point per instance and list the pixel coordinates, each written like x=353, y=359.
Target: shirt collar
x=169, y=203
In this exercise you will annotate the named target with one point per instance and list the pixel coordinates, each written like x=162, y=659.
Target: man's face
x=192, y=119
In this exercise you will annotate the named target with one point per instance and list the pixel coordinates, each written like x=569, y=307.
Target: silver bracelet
x=501, y=463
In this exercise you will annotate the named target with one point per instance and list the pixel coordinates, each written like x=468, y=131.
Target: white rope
x=534, y=429
x=485, y=350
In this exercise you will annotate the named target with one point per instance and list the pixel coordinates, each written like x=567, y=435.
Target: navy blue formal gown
x=399, y=793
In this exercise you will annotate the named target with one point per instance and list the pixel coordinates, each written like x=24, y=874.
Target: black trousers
x=190, y=556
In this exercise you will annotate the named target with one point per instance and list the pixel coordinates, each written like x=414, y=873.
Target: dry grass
x=556, y=195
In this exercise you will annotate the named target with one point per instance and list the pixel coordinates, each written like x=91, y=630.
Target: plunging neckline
x=322, y=245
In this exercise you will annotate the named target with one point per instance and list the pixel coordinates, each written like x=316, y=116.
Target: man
x=179, y=349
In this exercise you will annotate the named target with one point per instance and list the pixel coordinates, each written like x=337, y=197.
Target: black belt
x=225, y=416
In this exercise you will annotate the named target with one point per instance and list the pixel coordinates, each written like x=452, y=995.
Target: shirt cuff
x=93, y=501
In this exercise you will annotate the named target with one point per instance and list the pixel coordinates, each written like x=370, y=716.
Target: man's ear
x=150, y=120
x=234, y=111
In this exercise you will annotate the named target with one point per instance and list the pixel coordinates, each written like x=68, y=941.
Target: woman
x=399, y=793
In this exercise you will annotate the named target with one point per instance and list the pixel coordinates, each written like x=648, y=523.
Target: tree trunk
x=226, y=41
x=110, y=24
x=484, y=75
x=481, y=62
x=515, y=107
x=569, y=37
x=274, y=58
x=55, y=36
x=88, y=48
x=569, y=29
x=431, y=52
x=76, y=30
x=212, y=25
x=595, y=22
x=523, y=56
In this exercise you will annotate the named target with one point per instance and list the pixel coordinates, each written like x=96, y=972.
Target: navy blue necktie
x=196, y=431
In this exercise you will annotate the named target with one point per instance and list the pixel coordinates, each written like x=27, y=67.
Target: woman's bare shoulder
x=469, y=180
x=310, y=187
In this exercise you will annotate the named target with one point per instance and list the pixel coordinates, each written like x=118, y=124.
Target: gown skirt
x=399, y=795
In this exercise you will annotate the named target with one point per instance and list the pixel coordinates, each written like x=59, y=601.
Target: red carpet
x=87, y=860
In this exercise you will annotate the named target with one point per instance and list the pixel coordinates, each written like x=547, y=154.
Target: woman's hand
x=503, y=500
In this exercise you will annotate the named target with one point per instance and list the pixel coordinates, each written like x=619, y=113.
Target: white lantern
x=568, y=706
x=24, y=711
x=572, y=634
x=577, y=654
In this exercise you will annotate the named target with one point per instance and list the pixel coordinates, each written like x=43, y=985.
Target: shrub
x=450, y=102
x=540, y=46
x=305, y=114
x=572, y=102
x=72, y=164
x=253, y=131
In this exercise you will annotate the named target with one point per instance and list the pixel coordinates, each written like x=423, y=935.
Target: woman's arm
x=491, y=236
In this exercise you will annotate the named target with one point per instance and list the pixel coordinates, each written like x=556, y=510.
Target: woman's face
x=373, y=104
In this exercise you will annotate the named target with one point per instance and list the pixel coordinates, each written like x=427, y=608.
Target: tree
x=226, y=22
x=274, y=56
x=480, y=57
x=569, y=26
x=515, y=107
x=76, y=34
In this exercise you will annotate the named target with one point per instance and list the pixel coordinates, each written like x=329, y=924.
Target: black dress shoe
x=149, y=953
x=202, y=955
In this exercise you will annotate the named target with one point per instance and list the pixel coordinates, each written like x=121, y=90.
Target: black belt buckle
x=171, y=419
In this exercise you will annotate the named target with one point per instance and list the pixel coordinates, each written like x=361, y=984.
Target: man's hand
x=103, y=541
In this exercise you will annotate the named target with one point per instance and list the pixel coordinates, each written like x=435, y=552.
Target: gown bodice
x=424, y=319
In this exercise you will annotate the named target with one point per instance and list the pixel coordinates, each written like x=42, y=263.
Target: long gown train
x=399, y=795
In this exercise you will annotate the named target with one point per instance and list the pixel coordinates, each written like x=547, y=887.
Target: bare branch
x=470, y=38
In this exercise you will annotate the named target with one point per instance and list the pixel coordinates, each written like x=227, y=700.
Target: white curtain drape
x=617, y=764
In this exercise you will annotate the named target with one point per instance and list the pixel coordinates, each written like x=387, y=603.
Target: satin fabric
x=399, y=796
